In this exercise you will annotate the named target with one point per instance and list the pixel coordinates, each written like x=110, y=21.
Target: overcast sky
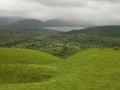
x=98, y=12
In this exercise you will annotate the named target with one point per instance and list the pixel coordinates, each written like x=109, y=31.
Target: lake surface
x=66, y=28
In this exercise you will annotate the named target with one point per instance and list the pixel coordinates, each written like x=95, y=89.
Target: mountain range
x=28, y=21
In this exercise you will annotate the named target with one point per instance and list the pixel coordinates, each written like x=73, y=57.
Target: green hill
x=28, y=23
x=94, y=35
x=77, y=40
x=92, y=69
x=26, y=56
x=22, y=66
x=112, y=31
x=96, y=69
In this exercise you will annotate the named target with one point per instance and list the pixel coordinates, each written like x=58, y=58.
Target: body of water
x=66, y=28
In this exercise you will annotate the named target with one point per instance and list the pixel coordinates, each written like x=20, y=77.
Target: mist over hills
x=9, y=20
x=60, y=22
x=110, y=30
x=36, y=22
x=29, y=22
x=48, y=23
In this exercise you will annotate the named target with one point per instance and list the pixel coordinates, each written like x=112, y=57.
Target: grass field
x=92, y=69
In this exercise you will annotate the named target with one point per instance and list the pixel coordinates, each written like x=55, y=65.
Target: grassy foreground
x=92, y=69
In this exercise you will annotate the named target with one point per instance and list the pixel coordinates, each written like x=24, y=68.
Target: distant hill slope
x=29, y=23
x=77, y=40
x=104, y=36
x=23, y=31
x=26, y=25
x=9, y=20
x=37, y=22
x=60, y=22
x=112, y=31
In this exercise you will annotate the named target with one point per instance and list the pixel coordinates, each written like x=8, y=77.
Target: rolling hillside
x=25, y=56
x=95, y=69
x=90, y=69
x=25, y=66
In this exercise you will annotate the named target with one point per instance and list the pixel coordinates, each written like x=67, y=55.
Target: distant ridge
x=9, y=20
x=29, y=22
x=48, y=23
x=60, y=22
x=112, y=30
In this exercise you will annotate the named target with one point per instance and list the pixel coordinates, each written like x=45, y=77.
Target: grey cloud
x=109, y=0
x=64, y=3
x=97, y=12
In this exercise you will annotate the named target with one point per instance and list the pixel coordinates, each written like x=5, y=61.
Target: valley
x=31, y=35
x=34, y=57
x=59, y=44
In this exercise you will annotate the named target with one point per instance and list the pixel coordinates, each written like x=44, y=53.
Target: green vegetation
x=95, y=64
x=25, y=73
x=25, y=56
x=96, y=69
x=25, y=34
x=78, y=40
x=29, y=34
x=25, y=66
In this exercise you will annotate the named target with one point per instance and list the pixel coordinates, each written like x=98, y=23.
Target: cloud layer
x=96, y=12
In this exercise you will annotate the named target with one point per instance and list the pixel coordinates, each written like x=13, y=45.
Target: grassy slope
x=16, y=55
x=23, y=66
x=92, y=69
x=96, y=69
